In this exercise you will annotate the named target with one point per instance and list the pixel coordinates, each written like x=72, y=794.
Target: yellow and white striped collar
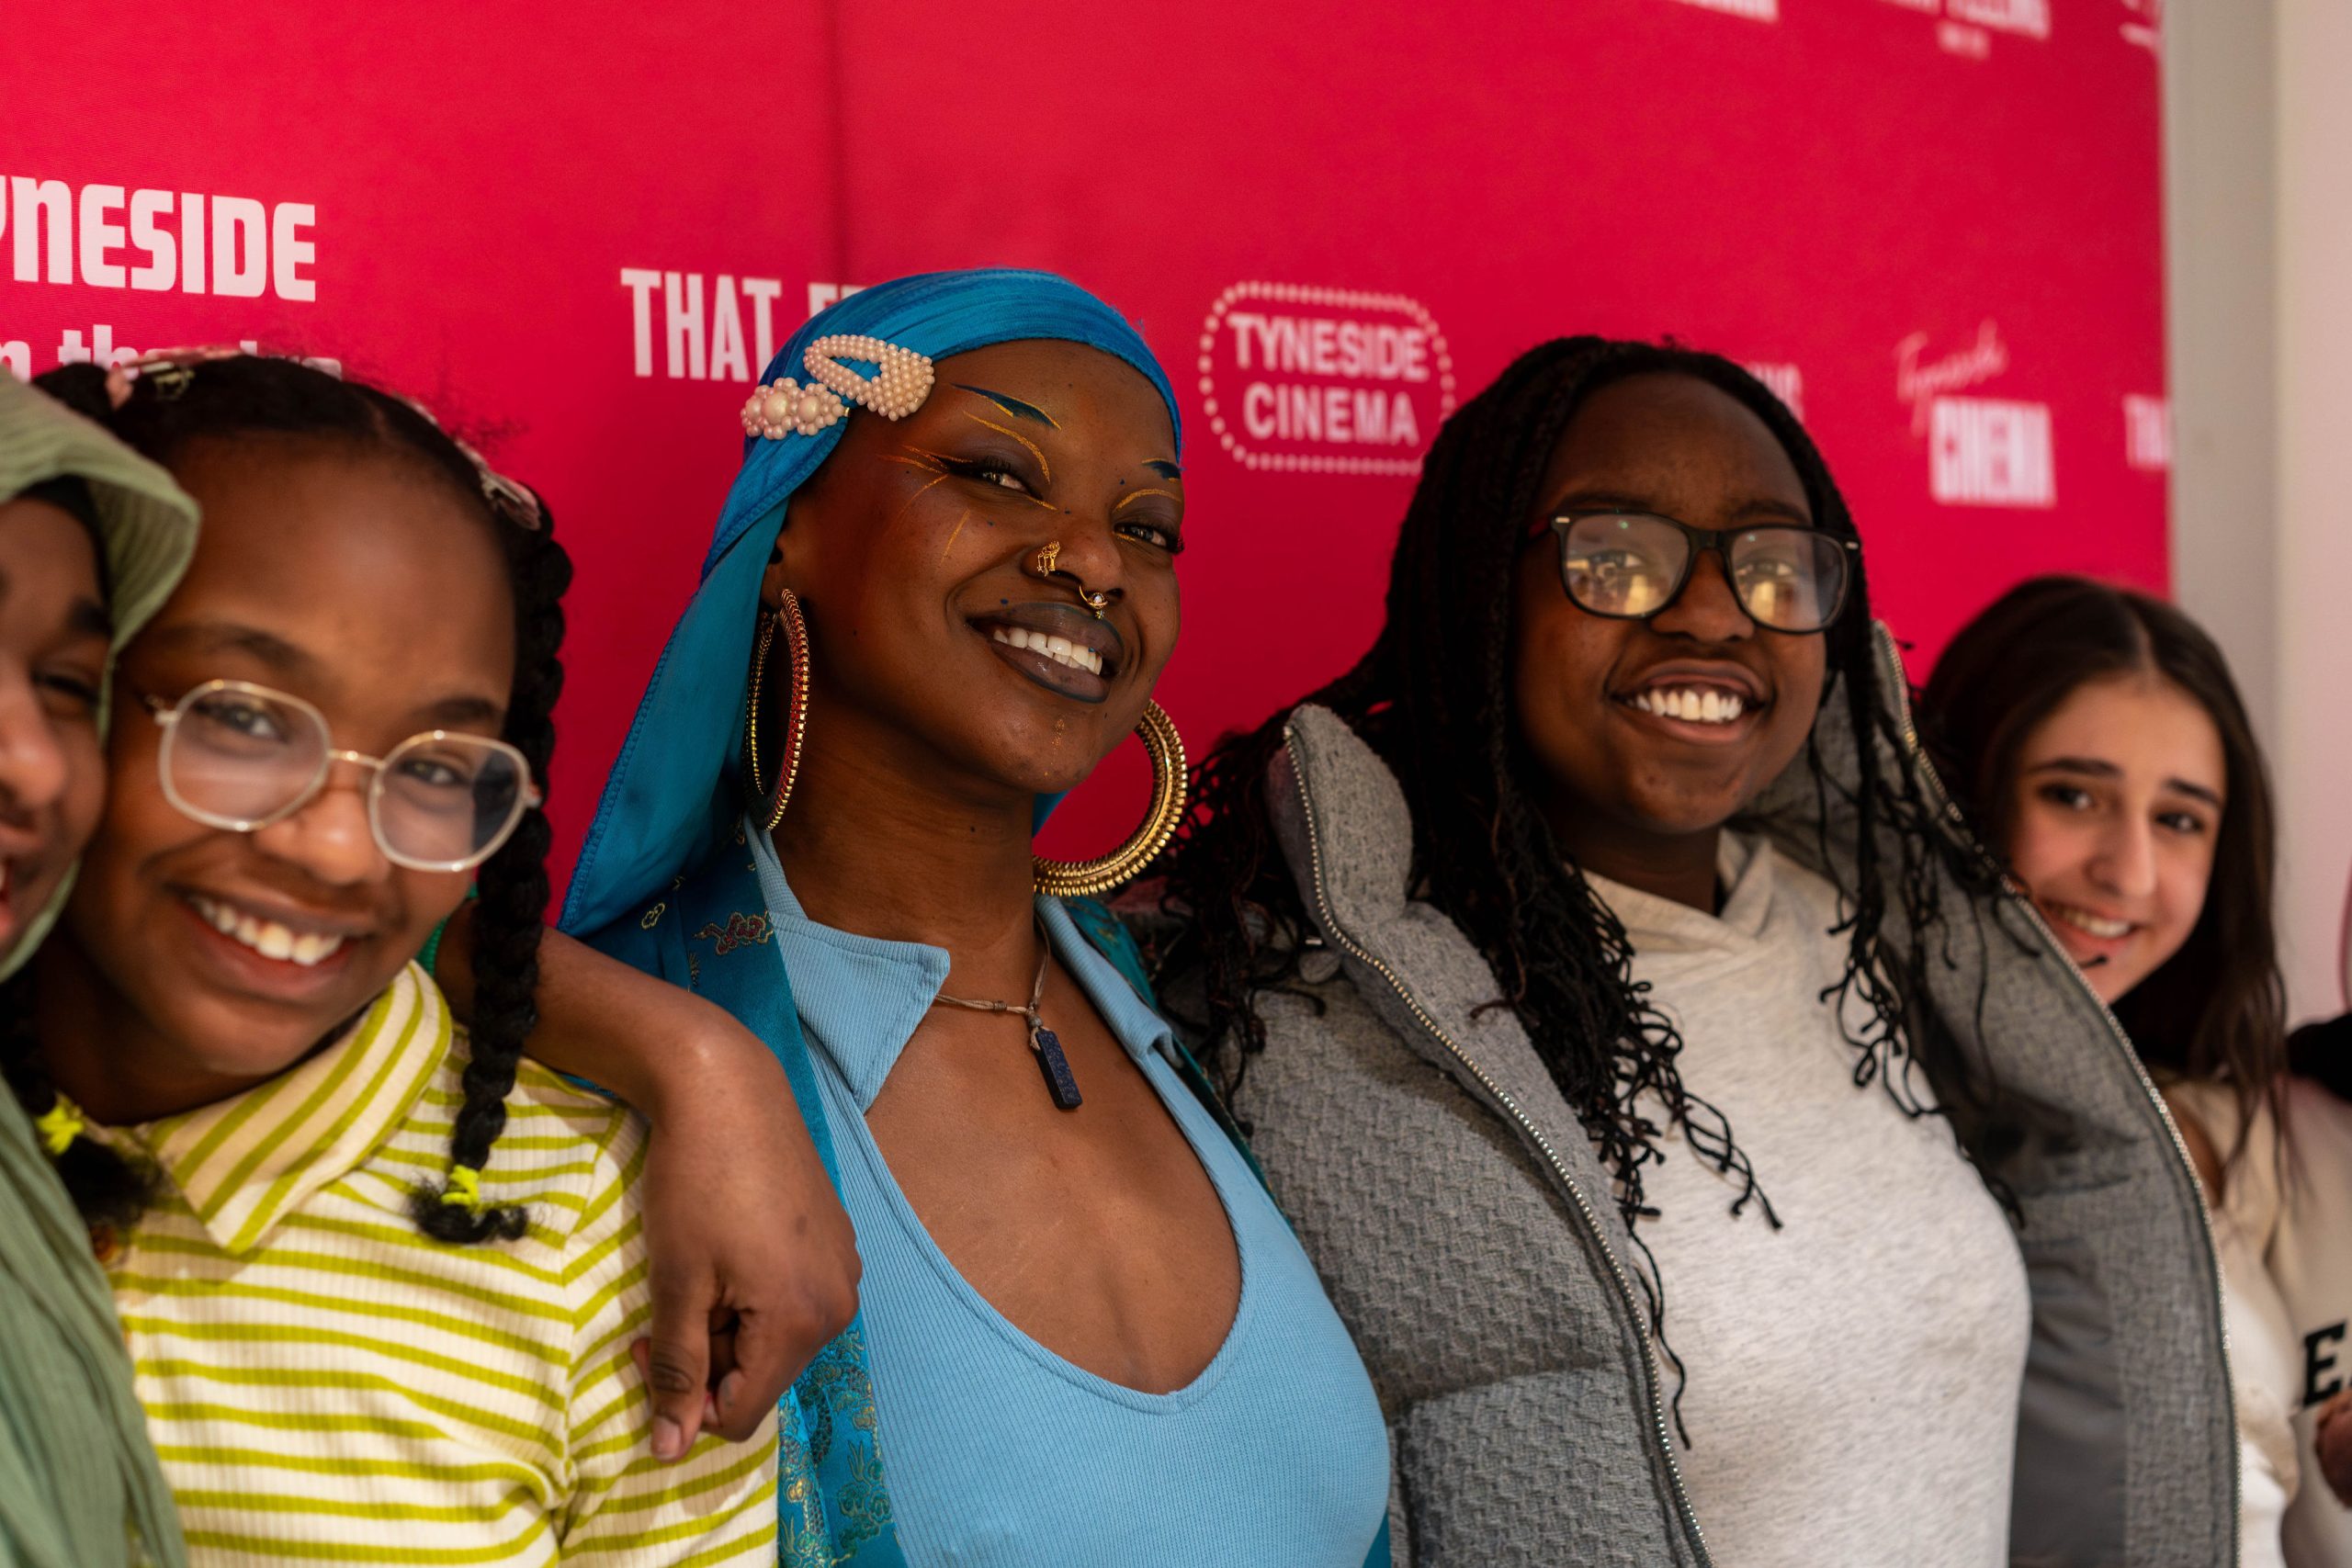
x=246, y=1163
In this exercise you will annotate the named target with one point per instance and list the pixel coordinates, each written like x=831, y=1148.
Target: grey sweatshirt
x=1875, y=1422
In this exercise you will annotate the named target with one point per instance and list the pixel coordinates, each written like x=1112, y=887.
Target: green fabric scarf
x=79, y=1484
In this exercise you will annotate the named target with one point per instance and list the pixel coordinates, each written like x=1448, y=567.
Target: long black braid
x=1432, y=697
x=251, y=396
x=514, y=892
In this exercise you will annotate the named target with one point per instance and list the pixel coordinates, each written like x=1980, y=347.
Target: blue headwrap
x=671, y=792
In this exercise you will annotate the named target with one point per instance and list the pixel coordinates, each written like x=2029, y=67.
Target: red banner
x=1932, y=225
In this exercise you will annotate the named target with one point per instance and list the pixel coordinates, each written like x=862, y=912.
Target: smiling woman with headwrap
x=920, y=619
x=91, y=540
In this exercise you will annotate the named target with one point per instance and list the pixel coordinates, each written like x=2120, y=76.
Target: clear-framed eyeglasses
x=240, y=756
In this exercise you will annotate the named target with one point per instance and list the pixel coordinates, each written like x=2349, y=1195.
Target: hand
x=753, y=1263
x=2334, y=1441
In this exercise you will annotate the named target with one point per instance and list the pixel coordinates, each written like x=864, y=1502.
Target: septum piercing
x=1094, y=600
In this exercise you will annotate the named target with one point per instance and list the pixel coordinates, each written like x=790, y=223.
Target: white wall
x=2258, y=190
x=2314, y=748
x=2220, y=206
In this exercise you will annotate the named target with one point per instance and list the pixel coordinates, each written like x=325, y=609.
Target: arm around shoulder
x=741, y=1223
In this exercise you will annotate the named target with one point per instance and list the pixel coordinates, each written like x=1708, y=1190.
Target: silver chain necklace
x=1046, y=1046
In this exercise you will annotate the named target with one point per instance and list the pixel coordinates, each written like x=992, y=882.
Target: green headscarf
x=79, y=1484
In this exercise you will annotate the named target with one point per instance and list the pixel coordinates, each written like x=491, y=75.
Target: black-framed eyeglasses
x=240, y=756
x=1629, y=566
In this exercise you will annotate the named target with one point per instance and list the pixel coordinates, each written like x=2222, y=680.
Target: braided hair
x=1432, y=697
x=280, y=399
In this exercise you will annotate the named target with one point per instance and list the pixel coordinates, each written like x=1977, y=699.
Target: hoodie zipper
x=1651, y=1379
x=1898, y=685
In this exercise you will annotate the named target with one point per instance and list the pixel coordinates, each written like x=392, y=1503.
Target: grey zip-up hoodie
x=1453, y=1205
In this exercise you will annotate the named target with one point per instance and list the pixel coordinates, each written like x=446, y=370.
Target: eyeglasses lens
x=237, y=757
x=442, y=799
x=240, y=756
x=1789, y=579
x=1622, y=565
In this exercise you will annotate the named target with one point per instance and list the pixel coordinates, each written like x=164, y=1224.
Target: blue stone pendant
x=1055, y=1066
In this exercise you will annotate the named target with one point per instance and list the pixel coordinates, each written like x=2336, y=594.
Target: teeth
x=2082, y=921
x=269, y=938
x=1060, y=650
x=1692, y=704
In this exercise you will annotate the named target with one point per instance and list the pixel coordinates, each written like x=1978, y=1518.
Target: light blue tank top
x=1002, y=1454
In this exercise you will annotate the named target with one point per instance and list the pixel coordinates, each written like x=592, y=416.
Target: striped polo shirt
x=325, y=1384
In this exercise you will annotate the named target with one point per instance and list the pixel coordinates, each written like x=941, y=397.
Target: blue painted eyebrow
x=1012, y=406
x=1164, y=468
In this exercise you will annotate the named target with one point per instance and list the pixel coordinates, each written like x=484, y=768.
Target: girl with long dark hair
x=2095, y=738
x=1606, y=983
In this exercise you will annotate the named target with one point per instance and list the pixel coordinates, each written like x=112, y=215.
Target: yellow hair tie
x=59, y=1125
x=464, y=1190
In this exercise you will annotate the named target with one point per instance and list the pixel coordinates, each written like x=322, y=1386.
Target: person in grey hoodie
x=1714, y=1163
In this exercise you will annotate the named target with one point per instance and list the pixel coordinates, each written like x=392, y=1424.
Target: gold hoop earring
x=1085, y=878
x=796, y=714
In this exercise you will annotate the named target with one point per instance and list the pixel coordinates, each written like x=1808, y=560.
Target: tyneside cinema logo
x=1966, y=26
x=1981, y=451
x=139, y=240
x=1306, y=379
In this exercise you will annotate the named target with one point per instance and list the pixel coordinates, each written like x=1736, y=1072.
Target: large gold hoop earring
x=796, y=712
x=1085, y=878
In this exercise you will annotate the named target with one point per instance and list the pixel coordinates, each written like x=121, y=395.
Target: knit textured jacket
x=1453, y=1205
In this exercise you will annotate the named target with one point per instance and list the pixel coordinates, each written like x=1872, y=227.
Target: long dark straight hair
x=2216, y=1010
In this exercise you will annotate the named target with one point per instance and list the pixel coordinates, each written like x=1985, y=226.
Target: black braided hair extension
x=513, y=885
x=1432, y=697
x=251, y=396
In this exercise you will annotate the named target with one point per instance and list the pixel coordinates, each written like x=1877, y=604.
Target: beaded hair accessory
x=169, y=371
x=783, y=407
x=166, y=369
x=464, y=1190
x=59, y=1125
x=511, y=499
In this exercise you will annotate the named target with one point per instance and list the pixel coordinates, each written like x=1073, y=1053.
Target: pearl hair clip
x=900, y=382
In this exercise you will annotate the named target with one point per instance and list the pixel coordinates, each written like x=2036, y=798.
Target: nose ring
x=1098, y=601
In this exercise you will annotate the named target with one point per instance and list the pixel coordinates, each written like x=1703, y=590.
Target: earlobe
x=798, y=530
x=773, y=582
